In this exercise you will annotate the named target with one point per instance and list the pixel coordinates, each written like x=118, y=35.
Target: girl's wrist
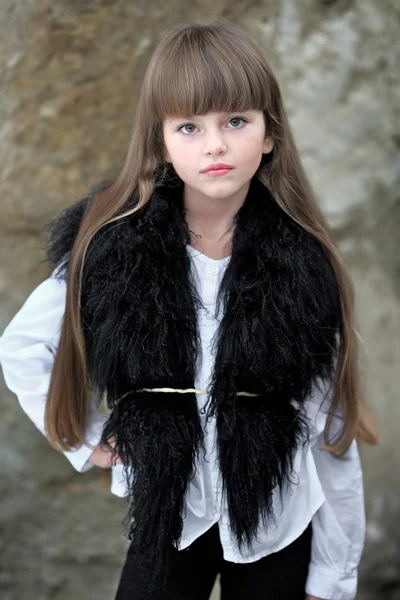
x=100, y=458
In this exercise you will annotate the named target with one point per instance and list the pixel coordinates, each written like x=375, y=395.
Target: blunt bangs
x=201, y=74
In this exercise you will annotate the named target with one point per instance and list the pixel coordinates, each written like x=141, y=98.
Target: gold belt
x=190, y=390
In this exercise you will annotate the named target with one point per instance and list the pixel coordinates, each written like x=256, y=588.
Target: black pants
x=192, y=573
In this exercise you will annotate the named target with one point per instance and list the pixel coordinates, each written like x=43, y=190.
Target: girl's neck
x=211, y=220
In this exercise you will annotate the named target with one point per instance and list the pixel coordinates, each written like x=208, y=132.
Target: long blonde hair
x=195, y=69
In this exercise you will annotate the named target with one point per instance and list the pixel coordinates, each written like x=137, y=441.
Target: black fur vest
x=139, y=316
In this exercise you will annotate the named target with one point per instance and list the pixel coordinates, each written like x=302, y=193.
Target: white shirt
x=327, y=491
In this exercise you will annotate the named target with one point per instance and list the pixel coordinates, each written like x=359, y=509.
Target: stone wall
x=71, y=73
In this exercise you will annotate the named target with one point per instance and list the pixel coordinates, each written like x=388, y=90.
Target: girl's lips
x=217, y=172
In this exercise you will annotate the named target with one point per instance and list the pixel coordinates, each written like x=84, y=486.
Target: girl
x=201, y=294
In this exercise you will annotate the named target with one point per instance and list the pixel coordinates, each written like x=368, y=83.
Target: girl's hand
x=101, y=457
x=308, y=597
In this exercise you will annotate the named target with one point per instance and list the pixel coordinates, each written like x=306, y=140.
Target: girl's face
x=194, y=143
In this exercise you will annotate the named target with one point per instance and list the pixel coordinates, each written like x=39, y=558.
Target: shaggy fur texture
x=281, y=310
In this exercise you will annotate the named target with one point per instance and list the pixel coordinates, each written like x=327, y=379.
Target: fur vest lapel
x=139, y=305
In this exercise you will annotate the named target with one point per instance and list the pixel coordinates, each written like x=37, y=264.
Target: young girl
x=201, y=295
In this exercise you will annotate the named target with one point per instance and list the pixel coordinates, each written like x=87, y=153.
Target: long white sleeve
x=27, y=346
x=339, y=524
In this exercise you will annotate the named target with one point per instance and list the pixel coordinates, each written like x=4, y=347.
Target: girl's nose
x=214, y=144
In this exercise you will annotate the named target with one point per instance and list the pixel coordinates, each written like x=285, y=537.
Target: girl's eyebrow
x=195, y=116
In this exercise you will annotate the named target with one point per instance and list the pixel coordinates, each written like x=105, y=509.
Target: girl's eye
x=186, y=125
x=238, y=119
x=191, y=125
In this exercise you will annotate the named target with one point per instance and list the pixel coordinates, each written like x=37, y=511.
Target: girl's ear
x=268, y=144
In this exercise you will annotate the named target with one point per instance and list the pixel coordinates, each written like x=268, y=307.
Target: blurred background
x=70, y=73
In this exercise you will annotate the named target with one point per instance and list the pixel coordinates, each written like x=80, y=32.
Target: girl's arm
x=26, y=356
x=339, y=524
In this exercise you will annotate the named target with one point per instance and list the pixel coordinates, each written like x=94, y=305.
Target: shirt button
x=214, y=270
x=209, y=317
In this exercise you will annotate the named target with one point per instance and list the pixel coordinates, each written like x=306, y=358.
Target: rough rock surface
x=70, y=76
